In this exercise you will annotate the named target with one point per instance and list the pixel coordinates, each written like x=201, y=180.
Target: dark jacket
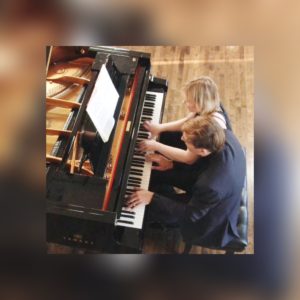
x=210, y=216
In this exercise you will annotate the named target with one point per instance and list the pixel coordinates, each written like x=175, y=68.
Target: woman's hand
x=153, y=128
x=139, y=197
x=148, y=145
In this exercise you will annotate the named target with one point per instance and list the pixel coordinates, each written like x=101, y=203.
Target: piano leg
x=128, y=240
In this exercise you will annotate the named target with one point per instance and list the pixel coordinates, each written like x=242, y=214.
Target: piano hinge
x=122, y=116
x=128, y=126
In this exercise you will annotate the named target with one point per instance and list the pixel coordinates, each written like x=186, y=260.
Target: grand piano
x=88, y=177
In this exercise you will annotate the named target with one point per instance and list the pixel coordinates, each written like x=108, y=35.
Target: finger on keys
x=132, y=205
x=132, y=200
x=148, y=157
x=146, y=124
x=141, y=146
x=130, y=197
x=158, y=168
x=152, y=157
x=136, y=203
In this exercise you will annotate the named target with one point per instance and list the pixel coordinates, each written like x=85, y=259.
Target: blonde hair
x=204, y=92
x=204, y=132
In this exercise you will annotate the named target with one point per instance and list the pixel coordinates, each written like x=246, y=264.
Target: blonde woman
x=201, y=98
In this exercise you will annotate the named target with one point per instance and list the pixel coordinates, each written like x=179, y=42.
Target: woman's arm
x=183, y=156
x=156, y=129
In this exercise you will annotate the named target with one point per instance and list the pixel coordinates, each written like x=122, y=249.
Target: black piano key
x=143, y=133
x=134, y=179
x=145, y=118
x=147, y=114
x=135, y=159
x=136, y=173
x=134, y=185
x=140, y=157
x=137, y=169
x=127, y=216
x=148, y=104
x=138, y=154
x=125, y=222
x=148, y=110
x=143, y=129
x=150, y=97
x=139, y=161
x=131, y=183
x=138, y=164
x=128, y=212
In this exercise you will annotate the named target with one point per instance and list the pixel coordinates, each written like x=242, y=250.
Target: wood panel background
x=232, y=68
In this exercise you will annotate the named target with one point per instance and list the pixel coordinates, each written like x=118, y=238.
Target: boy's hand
x=139, y=197
x=163, y=163
x=153, y=128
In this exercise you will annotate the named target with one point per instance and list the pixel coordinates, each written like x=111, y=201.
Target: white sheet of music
x=102, y=104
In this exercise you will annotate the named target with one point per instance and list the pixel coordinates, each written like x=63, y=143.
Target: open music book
x=102, y=104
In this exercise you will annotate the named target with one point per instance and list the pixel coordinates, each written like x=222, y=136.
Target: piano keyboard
x=140, y=170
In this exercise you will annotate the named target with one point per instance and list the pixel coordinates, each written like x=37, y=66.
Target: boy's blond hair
x=204, y=132
x=204, y=92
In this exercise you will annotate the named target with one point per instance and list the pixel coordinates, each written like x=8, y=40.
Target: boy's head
x=202, y=95
x=203, y=135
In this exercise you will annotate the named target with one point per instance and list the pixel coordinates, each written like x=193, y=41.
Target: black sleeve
x=171, y=206
x=228, y=122
x=201, y=203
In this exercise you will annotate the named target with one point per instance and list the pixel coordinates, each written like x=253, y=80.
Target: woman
x=202, y=98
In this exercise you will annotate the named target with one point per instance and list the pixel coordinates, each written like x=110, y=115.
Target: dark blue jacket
x=210, y=216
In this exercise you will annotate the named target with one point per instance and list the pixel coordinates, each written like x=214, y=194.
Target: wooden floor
x=232, y=68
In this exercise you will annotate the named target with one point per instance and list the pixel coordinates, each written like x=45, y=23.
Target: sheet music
x=102, y=104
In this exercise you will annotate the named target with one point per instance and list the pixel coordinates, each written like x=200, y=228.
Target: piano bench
x=237, y=244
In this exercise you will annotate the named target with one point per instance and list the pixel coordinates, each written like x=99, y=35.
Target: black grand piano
x=88, y=178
